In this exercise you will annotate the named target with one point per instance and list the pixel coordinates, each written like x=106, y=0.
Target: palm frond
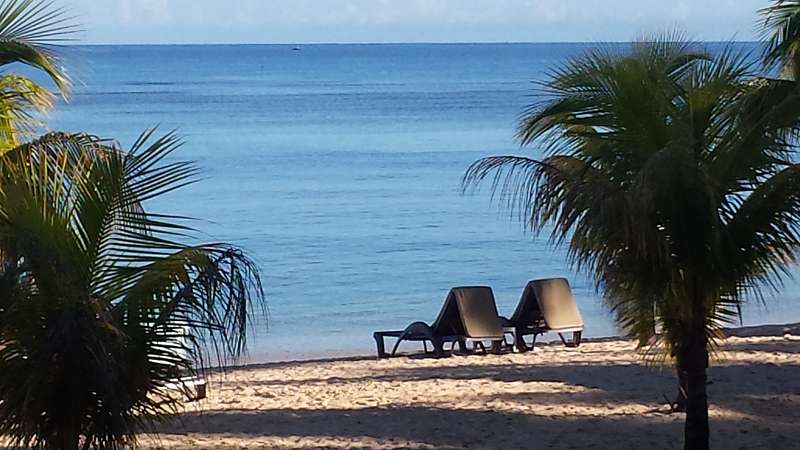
x=22, y=103
x=764, y=232
x=30, y=30
x=779, y=28
x=669, y=174
x=104, y=294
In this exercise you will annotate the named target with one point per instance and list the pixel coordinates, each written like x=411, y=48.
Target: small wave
x=109, y=93
x=150, y=83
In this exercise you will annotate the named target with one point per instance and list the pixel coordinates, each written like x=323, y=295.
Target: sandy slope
x=597, y=396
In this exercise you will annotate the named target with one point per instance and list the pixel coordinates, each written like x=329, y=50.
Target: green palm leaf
x=30, y=30
x=103, y=294
x=669, y=174
x=22, y=103
x=780, y=30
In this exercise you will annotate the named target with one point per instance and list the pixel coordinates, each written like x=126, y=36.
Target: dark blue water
x=338, y=168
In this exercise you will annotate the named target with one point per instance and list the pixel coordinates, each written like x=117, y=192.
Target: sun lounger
x=194, y=388
x=545, y=306
x=469, y=315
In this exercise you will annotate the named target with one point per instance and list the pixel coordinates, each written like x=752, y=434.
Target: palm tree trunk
x=692, y=361
x=679, y=405
x=68, y=441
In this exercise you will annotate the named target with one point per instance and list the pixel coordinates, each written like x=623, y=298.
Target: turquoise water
x=338, y=168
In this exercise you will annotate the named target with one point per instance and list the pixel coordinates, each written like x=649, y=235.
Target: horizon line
x=288, y=43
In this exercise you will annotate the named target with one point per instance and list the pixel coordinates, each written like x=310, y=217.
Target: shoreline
x=764, y=330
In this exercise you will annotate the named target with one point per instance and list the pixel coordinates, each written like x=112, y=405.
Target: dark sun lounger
x=469, y=314
x=545, y=306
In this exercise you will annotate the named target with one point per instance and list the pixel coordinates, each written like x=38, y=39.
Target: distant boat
x=296, y=49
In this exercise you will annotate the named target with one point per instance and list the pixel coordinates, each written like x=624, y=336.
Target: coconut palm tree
x=669, y=173
x=30, y=33
x=780, y=30
x=101, y=306
x=101, y=303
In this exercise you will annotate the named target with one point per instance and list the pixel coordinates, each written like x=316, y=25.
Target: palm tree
x=30, y=34
x=669, y=174
x=101, y=305
x=780, y=30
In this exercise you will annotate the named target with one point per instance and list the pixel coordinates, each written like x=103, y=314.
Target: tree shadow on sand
x=460, y=429
x=735, y=388
x=762, y=347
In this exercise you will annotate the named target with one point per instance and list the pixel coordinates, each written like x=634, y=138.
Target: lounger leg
x=425, y=346
x=505, y=343
x=497, y=347
x=462, y=348
x=519, y=341
x=533, y=343
x=397, y=344
x=576, y=338
x=379, y=342
x=438, y=347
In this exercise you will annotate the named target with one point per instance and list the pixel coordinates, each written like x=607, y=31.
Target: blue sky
x=264, y=21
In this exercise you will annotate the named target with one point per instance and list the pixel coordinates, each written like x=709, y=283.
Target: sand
x=598, y=396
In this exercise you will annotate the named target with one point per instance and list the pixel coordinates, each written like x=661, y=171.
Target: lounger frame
x=520, y=345
x=422, y=332
x=522, y=323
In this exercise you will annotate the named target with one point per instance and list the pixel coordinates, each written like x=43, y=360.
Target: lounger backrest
x=528, y=312
x=478, y=312
x=469, y=312
x=557, y=304
x=448, y=322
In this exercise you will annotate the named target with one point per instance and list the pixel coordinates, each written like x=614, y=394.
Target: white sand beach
x=598, y=396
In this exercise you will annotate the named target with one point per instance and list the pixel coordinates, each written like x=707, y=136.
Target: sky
x=306, y=21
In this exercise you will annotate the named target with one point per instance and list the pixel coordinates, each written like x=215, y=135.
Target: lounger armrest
x=392, y=333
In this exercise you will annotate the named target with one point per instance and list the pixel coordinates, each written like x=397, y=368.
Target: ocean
x=338, y=168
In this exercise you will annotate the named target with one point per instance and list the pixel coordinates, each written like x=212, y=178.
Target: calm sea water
x=338, y=168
